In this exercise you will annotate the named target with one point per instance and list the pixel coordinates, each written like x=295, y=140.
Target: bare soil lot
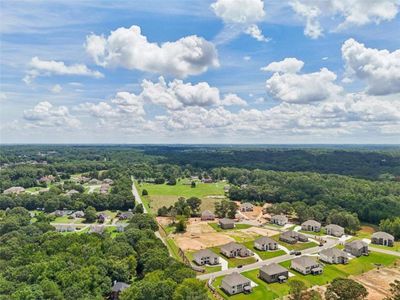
x=377, y=281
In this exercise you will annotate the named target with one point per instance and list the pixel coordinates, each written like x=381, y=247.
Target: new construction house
x=233, y=249
x=334, y=230
x=274, y=273
x=206, y=256
x=306, y=265
x=265, y=244
x=292, y=237
x=236, y=283
x=311, y=225
x=382, y=238
x=356, y=248
x=333, y=256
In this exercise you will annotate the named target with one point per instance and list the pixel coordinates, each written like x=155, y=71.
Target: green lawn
x=234, y=262
x=166, y=195
x=298, y=246
x=173, y=248
x=320, y=233
x=273, y=291
x=217, y=228
x=263, y=254
x=396, y=247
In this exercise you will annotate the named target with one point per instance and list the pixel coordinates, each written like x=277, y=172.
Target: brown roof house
x=207, y=215
x=292, y=237
x=306, y=265
x=279, y=220
x=334, y=256
x=311, y=225
x=227, y=223
x=382, y=238
x=274, y=273
x=233, y=249
x=236, y=283
x=356, y=248
x=205, y=256
x=335, y=230
x=265, y=243
x=247, y=206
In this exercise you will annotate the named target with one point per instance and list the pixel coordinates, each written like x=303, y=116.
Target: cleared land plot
x=276, y=290
x=298, y=246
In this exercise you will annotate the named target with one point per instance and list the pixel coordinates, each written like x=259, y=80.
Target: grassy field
x=273, y=291
x=216, y=227
x=396, y=247
x=166, y=195
x=263, y=254
x=298, y=246
x=320, y=233
x=234, y=262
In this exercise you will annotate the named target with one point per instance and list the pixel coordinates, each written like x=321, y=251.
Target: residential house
x=117, y=288
x=78, y=214
x=292, y=237
x=47, y=179
x=335, y=230
x=236, y=283
x=207, y=215
x=265, y=243
x=311, y=225
x=227, y=223
x=247, y=206
x=108, y=181
x=125, y=215
x=382, y=238
x=279, y=220
x=274, y=273
x=205, y=256
x=356, y=248
x=233, y=249
x=306, y=265
x=14, y=190
x=334, y=256
x=101, y=217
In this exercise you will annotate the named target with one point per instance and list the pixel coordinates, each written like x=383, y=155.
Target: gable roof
x=204, y=253
x=333, y=252
x=357, y=244
x=207, y=213
x=232, y=246
x=226, y=221
x=305, y=261
x=311, y=223
x=279, y=217
x=382, y=235
x=334, y=226
x=235, y=279
x=246, y=204
x=273, y=269
x=119, y=286
x=265, y=240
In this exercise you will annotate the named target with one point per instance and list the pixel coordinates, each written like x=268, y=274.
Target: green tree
x=194, y=204
x=191, y=289
x=181, y=224
x=145, y=192
x=90, y=214
x=193, y=184
x=394, y=291
x=296, y=289
x=345, y=289
x=139, y=209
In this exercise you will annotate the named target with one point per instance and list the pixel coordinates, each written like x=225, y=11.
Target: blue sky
x=191, y=71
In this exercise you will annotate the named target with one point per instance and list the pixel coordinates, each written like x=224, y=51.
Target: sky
x=198, y=71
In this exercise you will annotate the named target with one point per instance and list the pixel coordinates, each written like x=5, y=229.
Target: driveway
x=137, y=196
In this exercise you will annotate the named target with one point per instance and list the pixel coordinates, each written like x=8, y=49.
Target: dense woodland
x=345, y=186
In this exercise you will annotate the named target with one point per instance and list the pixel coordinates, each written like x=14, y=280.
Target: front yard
x=234, y=262
x=264, y=254
x=298, y=246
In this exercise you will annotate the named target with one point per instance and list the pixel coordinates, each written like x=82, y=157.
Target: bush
x=145, y=193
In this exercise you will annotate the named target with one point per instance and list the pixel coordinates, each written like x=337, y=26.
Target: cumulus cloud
x=177, y=94
x=40, y=67
x=241, y=16
x=288, y=65
x=379, y=68
x=128, y=48
x=56, y=89
x=301, y=88
x=44, y=114
x=351, y=12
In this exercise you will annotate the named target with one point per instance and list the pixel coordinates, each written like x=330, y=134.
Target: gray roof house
x=306, y=265
x=311, y=225
x=382, y=238
x=78, y=214
x=265, y=243
x=356, y=248
x=292, y=237
x=246, y=206
x=207, y=215
x=274, y=273
x=117, y=288
x=235, y=283
x=279, y=220
x=206, y=256
x=335, y=230
x=334, y=256
x=227, y=223
x=233, y=249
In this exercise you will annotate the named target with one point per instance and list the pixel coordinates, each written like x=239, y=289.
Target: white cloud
x=56, y=89
x=379, y=68
x=44, y=114
x=288, y=65
x=177, y=94
x=350, y=12
x=40, y=67
x=303, y=88
x=240, y=16
x=128, y=48
x=247, y=58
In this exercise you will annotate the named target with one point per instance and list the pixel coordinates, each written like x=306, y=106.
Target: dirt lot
x=200, y=235
x=377, y=281
x=253, y=215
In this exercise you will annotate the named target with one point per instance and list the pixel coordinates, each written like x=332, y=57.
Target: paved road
x=380, y=250
x=330, y=243
x=137, y=196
